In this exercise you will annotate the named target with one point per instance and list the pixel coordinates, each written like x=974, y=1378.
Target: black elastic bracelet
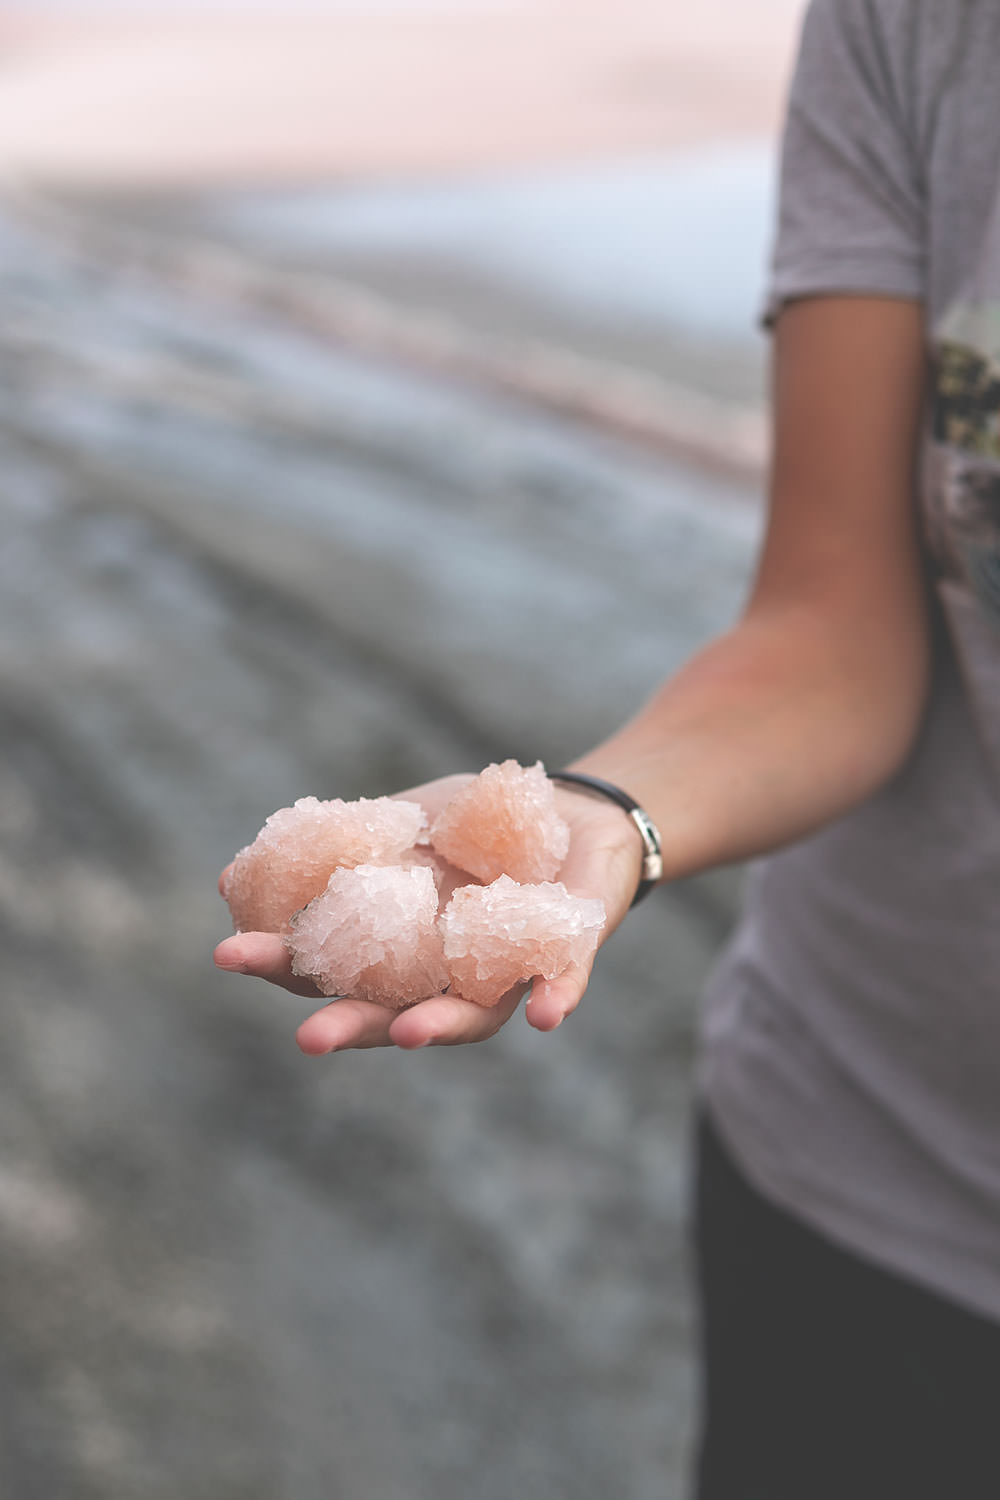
x=652, y=862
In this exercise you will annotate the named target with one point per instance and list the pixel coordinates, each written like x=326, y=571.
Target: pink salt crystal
x=504, y=823
x=372, y=934
x=297, y=850
x=498, y=935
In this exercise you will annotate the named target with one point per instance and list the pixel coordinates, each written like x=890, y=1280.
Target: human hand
x=604, y=860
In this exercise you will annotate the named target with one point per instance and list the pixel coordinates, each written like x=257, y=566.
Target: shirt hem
x=893, y=1248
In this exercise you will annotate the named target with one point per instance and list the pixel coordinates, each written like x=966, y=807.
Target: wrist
x=651, y=868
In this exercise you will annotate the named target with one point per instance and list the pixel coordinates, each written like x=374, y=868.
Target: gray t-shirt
x=852, y=1029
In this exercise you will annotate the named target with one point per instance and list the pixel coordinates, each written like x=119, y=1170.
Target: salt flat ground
x=244, y=563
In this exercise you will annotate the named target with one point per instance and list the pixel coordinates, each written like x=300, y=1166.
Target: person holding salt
x=847, y=727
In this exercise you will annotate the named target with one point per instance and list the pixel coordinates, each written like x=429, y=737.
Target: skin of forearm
x=771, y=731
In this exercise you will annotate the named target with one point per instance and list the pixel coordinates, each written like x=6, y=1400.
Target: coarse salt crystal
x=504, y=823
x=500, y=935
x=373, y=935
x=299, y=847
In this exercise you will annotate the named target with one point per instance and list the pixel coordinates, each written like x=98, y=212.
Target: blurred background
x=380, y=395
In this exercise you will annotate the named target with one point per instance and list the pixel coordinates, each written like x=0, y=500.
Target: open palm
x=603, y=861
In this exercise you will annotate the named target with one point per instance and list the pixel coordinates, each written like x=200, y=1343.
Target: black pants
x=825, y=1377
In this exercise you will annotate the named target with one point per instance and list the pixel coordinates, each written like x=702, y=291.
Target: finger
x=224, y=877
x=343, y=1024
x=265, y=956
x=552, y=1000
x=448, y=1021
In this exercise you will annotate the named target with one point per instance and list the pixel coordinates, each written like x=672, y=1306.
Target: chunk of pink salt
x=498, y=935
x=373, y=935
x=297, y=850
x=504, y=823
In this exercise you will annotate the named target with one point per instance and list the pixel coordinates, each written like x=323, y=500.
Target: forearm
x=770, y=732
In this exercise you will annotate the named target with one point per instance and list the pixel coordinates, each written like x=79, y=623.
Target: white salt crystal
x=372, y=934
x=502, y=934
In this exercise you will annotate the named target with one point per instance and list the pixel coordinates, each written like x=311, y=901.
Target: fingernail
x=416, y=1046
x=223, y=961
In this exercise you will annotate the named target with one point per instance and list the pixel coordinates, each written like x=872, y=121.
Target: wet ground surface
x=239, y=566
x=654, y=262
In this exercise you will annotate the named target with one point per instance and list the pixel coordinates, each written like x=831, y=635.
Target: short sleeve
x=851, y=211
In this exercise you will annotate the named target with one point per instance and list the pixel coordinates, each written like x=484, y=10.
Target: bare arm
x=813, y=699
x=807, y=705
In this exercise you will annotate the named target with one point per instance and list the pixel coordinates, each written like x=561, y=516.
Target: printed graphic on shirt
x=964, y=496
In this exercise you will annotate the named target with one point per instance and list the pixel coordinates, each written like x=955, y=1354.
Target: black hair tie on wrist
x=652, y=862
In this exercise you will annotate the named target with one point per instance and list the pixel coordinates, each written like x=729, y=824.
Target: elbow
x=899, y=708
x=886, y=690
